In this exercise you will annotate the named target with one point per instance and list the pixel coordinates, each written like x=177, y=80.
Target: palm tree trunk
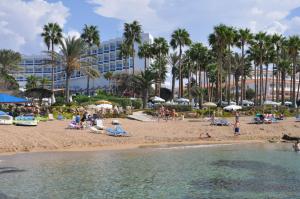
x=52, y=71
x=294, y=82
x=297, y=98
x=255, y=85
x=282, y=86
x=173, y=85
x=261, y=83
x=180, y=74
x=145, y=98
x=236, y=88
x=67, y=88
x=266, y=83
x=133, y=55
x=88, y=85
x=273, y=83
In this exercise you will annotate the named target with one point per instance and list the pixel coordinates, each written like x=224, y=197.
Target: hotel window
x=38, y=69
x=38, y=62
x=119, y=65
x=100, y=59
x=94, y=51
x=112, y=46
x=77, y=73
x=28, y=62
x=131, y=63
x=73, y=75
x=112, y=66
x=106, y=67
x=119, y=44
x=106, y=48
x=100, y=68
x=29, y=70
x=112, y=56
x=106, y=57
x=118, y=55
x=100, y=50
x=47, y=70
x=125, y=64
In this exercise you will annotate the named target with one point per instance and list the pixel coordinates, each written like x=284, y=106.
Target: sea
x=238, y=171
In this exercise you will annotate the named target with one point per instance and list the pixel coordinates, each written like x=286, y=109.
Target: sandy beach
x=53, y=135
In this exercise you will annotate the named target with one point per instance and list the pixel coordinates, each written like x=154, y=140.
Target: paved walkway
x=140, y=116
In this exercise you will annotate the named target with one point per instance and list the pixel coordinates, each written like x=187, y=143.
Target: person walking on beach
x=237, y=128
x=237, y=116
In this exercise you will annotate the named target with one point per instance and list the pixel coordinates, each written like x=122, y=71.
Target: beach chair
x=117, y=132
x=115, y=122
x=99, y=124
x=50, y=117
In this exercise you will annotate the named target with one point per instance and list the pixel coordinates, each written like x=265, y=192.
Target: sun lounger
x=115, y=122
x=118, y=131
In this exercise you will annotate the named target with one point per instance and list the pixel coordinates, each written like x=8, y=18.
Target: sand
x=53, y=135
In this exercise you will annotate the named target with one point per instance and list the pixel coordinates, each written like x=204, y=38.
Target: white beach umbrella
x=232, y=108
x=209, y=104
x=183, y=100
x=157, y=99
x=271, y=103
x=106, y=106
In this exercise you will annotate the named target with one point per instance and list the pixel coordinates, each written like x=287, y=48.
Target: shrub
x=177, y=107
x=81, y=99
x=137, y=104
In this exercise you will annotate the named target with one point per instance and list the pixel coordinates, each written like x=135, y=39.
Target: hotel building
x=108, y=59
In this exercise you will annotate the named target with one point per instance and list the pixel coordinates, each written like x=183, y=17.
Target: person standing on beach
x=237, y=128
x=237, y=116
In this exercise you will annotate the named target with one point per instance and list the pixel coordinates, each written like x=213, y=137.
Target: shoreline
x=52, y=136
x=140, y=146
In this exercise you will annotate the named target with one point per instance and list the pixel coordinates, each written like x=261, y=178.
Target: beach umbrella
x=105, y=106
x=102, y=102
x=157, y=99
x=232, y=108
x=209, y=104
x=271, y=103
x=182, y=100
x=9, y=99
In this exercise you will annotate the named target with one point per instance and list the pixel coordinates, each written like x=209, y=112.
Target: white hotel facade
x=108, y=59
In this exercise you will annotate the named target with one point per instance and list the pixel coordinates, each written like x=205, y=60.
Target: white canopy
x=209, y=104
x=183, y=100
x=157, y=99
x=232, y=108
x=271, y=103
x=106, y=106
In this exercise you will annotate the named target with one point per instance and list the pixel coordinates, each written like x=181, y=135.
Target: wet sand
x=53, y=135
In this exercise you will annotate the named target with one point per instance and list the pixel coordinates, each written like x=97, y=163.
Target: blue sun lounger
x=118, y=131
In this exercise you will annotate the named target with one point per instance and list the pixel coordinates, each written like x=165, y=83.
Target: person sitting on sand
x=167, y=114
x=77, y=118
x=173, y=114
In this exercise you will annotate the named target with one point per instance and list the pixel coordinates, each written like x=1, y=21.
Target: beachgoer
x=77, y=118
x=237, y=117
x=173, y=114
x=237, y=128
x=167, y=114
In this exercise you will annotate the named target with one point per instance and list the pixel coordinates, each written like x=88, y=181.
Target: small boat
x=6, y=119
x=26, y=121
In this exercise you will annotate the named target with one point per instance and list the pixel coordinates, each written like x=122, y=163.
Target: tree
x=31, y=82
x=218, y=42
x=91, y=37
x=293, y=44
x=44, y=82
x=144, y=82
x=160, y=49
x=173, y=59
x=132, y=33
x=250, y=94
x=108, y=76
x=244, y=38
x=145, y=51
x=52, y=34
x=9, y=61
x=73, y=54
x=179, y=39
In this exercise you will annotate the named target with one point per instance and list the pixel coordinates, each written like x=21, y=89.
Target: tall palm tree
x=293, y=44
x=160, y=49
x=144, y=82
x=218, y=42
x=91, y=37
x=173, y=59
x=132, y=33
x=52, y=34
x=108, y=76
x=9, y=61
x=244, y=37
x=179, y=39
x=125, y=54
x=73, y=50
x=145, y=51
x=31, y=82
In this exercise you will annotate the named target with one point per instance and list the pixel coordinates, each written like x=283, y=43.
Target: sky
x=21, y=21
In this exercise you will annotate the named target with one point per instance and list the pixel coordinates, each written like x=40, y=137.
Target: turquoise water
x=227, y=172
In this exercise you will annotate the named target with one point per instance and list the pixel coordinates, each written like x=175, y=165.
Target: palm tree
x=218, y=42
x=145, y=51
x=173, y=59
x=72, y=51
x=132, y=33
x=179, y=39
x=125, y=53
x=9, y=61
x=159, y=69
x=108, y=76
x=160, y=49
x=293, y=44
x=144, y=82
x=91, y=37
x=244, y=37
x=52, y=34
x=31, y=82
x=44, y=82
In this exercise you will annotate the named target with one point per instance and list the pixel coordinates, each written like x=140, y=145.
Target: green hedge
x=177, y=107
